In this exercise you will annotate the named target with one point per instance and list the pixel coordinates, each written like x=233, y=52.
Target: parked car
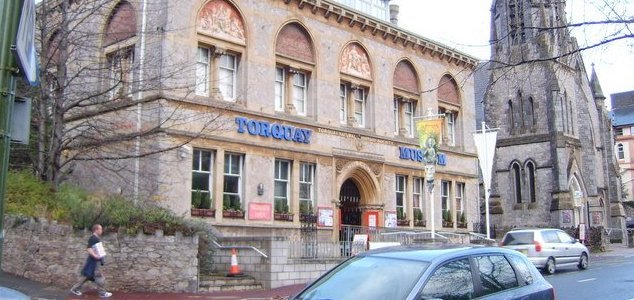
x=432, y=272
x=548, y=249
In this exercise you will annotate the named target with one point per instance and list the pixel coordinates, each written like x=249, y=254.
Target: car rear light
x=538, y=246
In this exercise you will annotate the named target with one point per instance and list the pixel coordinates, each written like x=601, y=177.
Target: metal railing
x=402, y=236
x=219, y=246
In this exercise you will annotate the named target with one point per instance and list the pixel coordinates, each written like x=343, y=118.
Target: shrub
x=196, y=199
x=205, y=202
x=27, y=195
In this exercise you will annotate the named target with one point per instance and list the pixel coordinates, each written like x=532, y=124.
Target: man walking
x=91, y=270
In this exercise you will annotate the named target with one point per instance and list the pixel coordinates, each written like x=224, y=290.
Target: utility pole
x=9, y=19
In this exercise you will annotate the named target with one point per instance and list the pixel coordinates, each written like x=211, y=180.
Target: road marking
x=586, y=280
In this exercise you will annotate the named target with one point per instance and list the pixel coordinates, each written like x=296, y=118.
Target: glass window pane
x=522, y=268
x=284, y=170
x=231, y=184
x=451, y=281
x=196, y=160
x=304, y=191
x=205, y=161
x=279, y=88
x=496, y=273
x=280, y=189
x=200, y=181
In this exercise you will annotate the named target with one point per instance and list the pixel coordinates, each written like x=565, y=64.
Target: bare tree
x=104, y=86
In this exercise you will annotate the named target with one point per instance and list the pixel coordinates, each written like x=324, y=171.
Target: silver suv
x=548, y=249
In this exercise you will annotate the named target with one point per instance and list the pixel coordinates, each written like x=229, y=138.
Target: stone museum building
x=554, y=162
x=269, y=111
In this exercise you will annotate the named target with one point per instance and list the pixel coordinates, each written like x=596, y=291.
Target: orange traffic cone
x=234, y=270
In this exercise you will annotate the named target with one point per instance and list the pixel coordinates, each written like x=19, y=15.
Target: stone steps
x=220, y=282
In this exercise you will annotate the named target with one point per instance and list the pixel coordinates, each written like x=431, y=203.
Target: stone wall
x=54, y=254
x=275, y=270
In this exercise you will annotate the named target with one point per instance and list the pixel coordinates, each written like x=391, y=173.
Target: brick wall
x=54, y=254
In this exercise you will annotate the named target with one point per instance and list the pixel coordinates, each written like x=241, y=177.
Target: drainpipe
x=139, y=106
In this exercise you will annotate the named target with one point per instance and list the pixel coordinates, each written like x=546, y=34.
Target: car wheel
x=550, y=266
x=583, y=261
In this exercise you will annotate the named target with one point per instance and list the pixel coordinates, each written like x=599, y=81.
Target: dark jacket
x=90, y=267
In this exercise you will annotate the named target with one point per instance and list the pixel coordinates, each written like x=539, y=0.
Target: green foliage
x=205, y=201
x=400, y=214
x=462, y=218
x=231, y=204
x=305, y=207
x=418, y=214
x=28, y=196
x=446, y=216
x=281, y=206
x=196, y=199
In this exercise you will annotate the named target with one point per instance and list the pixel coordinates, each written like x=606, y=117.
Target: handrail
x=481, y=236
x=240, y=247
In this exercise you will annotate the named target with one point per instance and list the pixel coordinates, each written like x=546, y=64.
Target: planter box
x=283, y=217
x=306, y=218
x=420, y=223
x=462, y=225
x=447, y=224
x=233, y=214
x=402, y=222
x=202, y=212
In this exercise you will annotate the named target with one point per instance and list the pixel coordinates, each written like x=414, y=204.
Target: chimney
x=394, y=14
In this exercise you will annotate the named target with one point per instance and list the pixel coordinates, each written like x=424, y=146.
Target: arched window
x=529, y=116
x=356, y=79
x=620, y=151
x=119, y=43
x=406, y=95
x=530, y=179
x=517, y=182
x=449, y=105
x=295, y=63
x=221, y=44
x=511, y=112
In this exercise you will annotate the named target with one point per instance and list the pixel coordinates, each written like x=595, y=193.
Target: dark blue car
x=432, y=272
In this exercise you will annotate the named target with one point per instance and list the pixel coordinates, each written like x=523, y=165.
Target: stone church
x=554, y=162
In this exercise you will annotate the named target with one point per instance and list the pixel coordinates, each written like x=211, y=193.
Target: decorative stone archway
x=366, y=178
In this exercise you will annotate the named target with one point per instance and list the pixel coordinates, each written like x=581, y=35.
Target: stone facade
x=554, y=163
x=54, y=254
x=335, y=49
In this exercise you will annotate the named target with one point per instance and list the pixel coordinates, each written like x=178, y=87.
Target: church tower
x=551, y=163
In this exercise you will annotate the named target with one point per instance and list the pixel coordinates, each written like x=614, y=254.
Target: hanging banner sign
x=485, y=146
x=429, y=138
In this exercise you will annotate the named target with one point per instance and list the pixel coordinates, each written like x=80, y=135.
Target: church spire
x=595, y=86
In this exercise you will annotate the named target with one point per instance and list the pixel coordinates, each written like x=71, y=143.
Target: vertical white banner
x=485, y=146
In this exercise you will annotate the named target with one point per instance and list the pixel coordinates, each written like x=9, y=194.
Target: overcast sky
x=465, y=25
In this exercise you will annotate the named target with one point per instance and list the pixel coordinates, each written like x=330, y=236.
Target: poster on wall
x=566, y=217
x=259, y=211
x=597, y=218
x=325, y=217
x=390, y=219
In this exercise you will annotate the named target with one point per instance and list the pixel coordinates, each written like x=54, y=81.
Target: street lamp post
x=430, y=158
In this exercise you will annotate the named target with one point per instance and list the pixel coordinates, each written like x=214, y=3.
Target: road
x=607, y=278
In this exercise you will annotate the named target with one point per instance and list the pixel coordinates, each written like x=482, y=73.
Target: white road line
x=586, y=280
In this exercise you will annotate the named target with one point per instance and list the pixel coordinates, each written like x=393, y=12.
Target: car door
x=552, y=246
x=572, y=252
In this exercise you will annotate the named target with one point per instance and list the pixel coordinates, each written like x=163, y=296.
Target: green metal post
x=9, y=19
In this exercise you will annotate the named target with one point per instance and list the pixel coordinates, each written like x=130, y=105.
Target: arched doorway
x=349, y=199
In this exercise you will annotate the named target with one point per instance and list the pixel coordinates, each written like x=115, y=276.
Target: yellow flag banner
x=429, y=137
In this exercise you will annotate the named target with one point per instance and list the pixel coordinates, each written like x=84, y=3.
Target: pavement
x=42, y=291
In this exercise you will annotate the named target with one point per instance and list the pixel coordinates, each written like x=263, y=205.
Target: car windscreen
x=518, y=238
x=368, y=278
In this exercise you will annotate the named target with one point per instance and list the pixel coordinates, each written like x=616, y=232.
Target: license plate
x=523, y=251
